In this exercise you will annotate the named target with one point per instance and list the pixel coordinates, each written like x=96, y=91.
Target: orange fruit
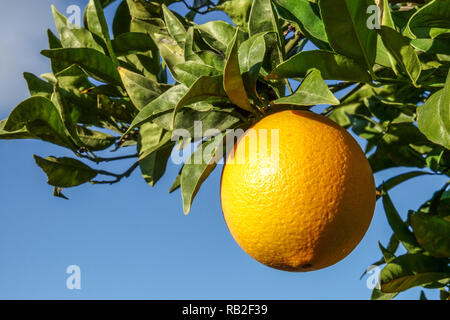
x=304, y=205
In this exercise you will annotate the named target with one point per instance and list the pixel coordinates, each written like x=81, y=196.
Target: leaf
x=41, y=119
x=55, y=43
x=72, y=36
x=218, y=34
x=65, y=172
x=263, y=18
x=99, y=65
x=190, y=71
x=348, y=33
x=401, y=230
x=203, y=88
x=170, y=51
x=165, y=102
x=232, y=80
x=132, y=42
x=433, y=117
x=251, y=55
x=174, y=26
x=432, y=46
x=140, y=89
x=312, y=91
x=122, y=19
x=177, y=183
x=435, y=14
x=198, y=167
x=37, y=86
x=94, y=140
x=395, y=181
x=237, y=10
x=306, y=14
x=379, y=295
x=404, y=54
x=154, y=151
x=432, y=233
x=332, y=66
x=411, y=270
x=16, y=134
x=98, y=26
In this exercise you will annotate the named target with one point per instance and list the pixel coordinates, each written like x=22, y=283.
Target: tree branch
x=118, y=177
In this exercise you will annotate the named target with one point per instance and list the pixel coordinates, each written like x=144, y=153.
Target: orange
x=305, y=208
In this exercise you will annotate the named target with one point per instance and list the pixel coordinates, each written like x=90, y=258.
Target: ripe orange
x=309, y=208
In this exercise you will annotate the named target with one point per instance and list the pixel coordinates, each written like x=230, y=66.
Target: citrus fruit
x=307, y=201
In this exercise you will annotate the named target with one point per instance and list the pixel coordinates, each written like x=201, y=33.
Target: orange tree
x=111, y=89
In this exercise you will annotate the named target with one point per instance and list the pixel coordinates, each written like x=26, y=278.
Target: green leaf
x=422, y=295
x=379, y=295
x=432, y=233
x=433, y=117
x=97, y=25
x=94, y=140
x=65, y=172
x=411, y=270
x=312, y=91
x=41, y=118
x=55, y=43
x=16, y=134
x=203, y=88
x=154, y=150
x=346, y=26
x=395, y=181
x=176, y=183
x=37, y=86
x=140, y=89
x=435, y=14
x=404, y=54
x=174, y=26
x=72, y=36
x=190, y=71
x=100, y=66
x=170, y=51
x=307, y=16
x=165, y=102
x=218, y=34
x=132, y=42
x=251, y=55
x=332, y=66
x=232, y=80
x=432, y=46
x=263, y=18
x=401, y=230
x=198, y=167
x=122, y=19
x=237, y=10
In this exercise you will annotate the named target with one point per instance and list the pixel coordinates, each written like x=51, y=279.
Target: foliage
x=111, y=89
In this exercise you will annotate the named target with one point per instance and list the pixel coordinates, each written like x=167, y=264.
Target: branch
x=97, y=159
x=118, y=177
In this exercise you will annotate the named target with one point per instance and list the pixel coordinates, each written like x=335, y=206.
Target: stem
x=289, y=86
x=118, y=177
x=341, y=86
x=96, y=159
x=293, y=42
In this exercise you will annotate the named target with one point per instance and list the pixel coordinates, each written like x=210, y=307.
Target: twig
x=293, y=42
x=100, y=159
x=341, y=86
x=118, y=177
x=209, y=8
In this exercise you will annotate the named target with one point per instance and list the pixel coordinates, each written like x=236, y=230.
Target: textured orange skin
x=311, y=210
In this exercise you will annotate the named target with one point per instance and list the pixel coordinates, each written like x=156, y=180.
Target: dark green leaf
x=65, y=172
x=251, y=55
x=432, y=233
x=401, y=230
x=190, y=71
x=122, y=19
x=132, y=42
x=348, y=33
x=433, y=15
x=332, y=66
x=395, y=181
x=174, y=26
x=16, y=134
x=99, y=65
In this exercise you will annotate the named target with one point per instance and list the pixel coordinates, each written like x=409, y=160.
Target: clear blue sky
x=132, y=241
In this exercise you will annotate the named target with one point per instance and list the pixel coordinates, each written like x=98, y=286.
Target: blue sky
x=132, y=241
